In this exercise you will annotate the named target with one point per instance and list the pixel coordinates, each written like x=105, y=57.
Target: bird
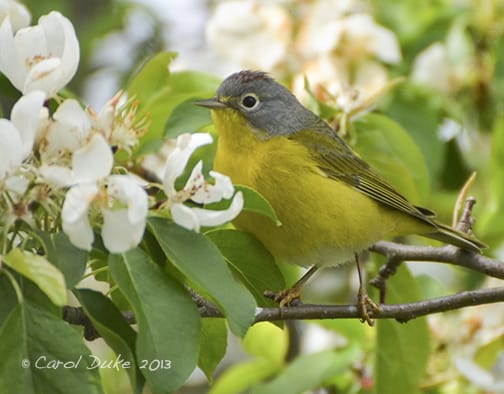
x=332, y=204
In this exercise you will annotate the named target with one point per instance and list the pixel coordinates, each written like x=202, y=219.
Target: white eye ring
x=249, y=101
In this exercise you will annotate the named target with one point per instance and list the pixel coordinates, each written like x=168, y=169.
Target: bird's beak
x=212, y=103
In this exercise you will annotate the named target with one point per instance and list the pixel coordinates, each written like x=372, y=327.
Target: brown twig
x=462, y=197
x=400, y=312
x=75, y=315
x=397, y=253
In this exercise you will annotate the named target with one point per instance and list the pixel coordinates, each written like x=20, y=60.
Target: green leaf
x=310, y=371
x=70, y=260
x=159, y=92
x=34, y=345
x=36, y=268
x=152, y=78
x=385, y=145
x=151, y=88
x=189, y=82
x=213, y=344
x=37, y=298
x=402, y=349
x=491, y=223
x=186, y=118
x=420, y=116
x=168, y=321
x=113, y=328
x=255, y=202
x=199, y=260
x=255, y=264
x=8, y=297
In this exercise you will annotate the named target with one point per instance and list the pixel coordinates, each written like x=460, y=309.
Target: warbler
x=330, y=202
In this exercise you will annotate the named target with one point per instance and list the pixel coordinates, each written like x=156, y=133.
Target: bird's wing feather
x=340, y=163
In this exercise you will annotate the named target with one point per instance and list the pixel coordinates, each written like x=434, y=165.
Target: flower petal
x=58, y=176
x=207, y=194
x=11, y=155
x=69, y=130
x=44, y=75
x=118, y=232
x=431, y=67
x=75, y=214
x=25, y=116
x=62, y=40
x=177, y=160
x=17, y=184
x=209, y=217
x=16, y=12
x=93, y=161
x=223, y=183
x=9, y=60
x=132, y=194
x=194, y=218
x=196, y=182
x=185, y=217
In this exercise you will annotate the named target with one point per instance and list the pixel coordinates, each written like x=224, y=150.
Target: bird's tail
x=454, y=237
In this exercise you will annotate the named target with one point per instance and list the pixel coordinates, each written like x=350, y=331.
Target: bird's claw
x=366, y=304
x=286, y=297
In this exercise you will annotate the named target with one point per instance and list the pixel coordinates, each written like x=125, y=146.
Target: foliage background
x=427, y=355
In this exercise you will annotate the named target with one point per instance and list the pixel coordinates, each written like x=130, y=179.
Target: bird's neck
x=235, y=133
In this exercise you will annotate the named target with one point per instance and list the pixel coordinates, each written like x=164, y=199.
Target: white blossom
x=72, y=126
x=117, y=122
x=353, y=92
x=252, y=34
x=197, y=189
x=42, y=57
x=353, y=36
x=121, y=200
x=68, y=131
x=432, y=68
x=176, y=162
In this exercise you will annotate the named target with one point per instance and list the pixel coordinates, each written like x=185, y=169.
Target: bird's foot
x=366, y=304
x=286, y=297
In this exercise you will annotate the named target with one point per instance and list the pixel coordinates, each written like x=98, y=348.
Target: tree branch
x=445, y=254
x=397, y=253
x=400, y=312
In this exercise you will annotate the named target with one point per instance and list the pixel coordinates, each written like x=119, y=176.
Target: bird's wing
x=340, y=163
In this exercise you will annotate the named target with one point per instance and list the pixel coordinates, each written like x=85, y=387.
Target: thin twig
x=398, y=253
x=75, y=315
x=445, y=254
x=462, y=196
x=400, y=312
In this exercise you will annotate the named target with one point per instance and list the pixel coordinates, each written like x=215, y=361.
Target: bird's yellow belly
x=324, y=222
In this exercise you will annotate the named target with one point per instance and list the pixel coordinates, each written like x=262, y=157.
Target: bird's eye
x=249, y=101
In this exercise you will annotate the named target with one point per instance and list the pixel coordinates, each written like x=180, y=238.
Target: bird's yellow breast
x=324, y=222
